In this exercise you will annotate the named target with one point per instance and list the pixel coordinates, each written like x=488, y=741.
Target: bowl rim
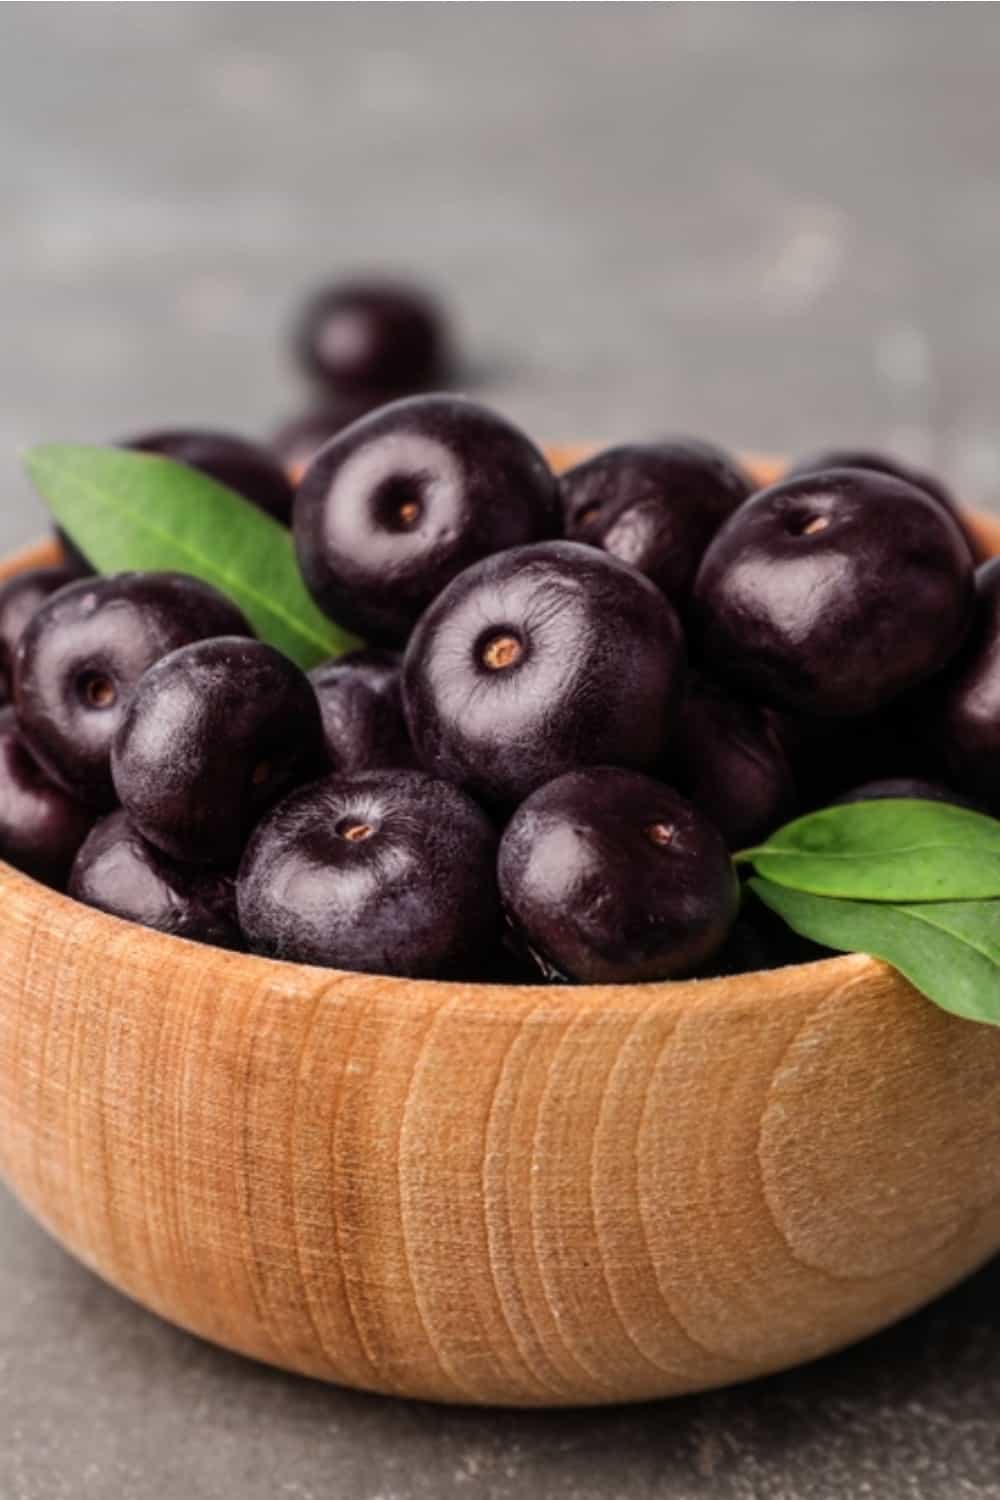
x=64, y=912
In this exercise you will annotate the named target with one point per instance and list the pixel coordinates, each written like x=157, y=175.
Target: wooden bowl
x=512, y=1195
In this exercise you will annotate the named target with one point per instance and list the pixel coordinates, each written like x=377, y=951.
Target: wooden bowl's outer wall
x=486, y=1194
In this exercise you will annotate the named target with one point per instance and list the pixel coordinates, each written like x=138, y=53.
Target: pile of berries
x=579, y=694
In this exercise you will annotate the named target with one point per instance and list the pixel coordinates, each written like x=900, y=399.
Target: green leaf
x=128, y=510
x=893, y=850
x=949, y=950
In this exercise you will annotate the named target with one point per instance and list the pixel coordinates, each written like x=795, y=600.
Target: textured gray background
x=772, y=225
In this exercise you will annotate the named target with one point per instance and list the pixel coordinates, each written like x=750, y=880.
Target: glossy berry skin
x=654, y=505
x=212, y=737
x=960, y=713
x=83, y=652
x=537, y=661
x=906, y=786
x=248, y=468
x=117, y=872
x=361, y=705
x=833, y=594
x=882, y=463
x=399, y=504
x=372, y=337
x=20, y=598
x=41, y=826
x=385, y=872
x=612, y=878
x=729, y=758
x=877, y=463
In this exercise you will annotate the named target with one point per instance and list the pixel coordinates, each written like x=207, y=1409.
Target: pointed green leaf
x=949, y=950
x=893, y=850
x=128, y=510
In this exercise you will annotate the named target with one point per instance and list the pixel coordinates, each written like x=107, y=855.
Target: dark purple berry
x=21, y=597
x=729, y=758
x=41, y=826
x=248, y=468
x=883, y=463
x=361, y=704
x=386, y=872
x=876, y=463
x=612, y=878
x=833, y=593
x=83, y=652
x=906, y=786
x=213, y=735
x=540, y=660
x=117, y=872
x=959, y=714
x=297, y=442
x=830, y=757
x=654, y=505
x=392, y=509
x=372, y=336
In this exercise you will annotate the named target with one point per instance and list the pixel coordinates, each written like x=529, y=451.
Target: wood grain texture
x=513, y=1195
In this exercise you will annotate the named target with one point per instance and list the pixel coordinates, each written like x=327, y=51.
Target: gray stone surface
x=775, y=225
